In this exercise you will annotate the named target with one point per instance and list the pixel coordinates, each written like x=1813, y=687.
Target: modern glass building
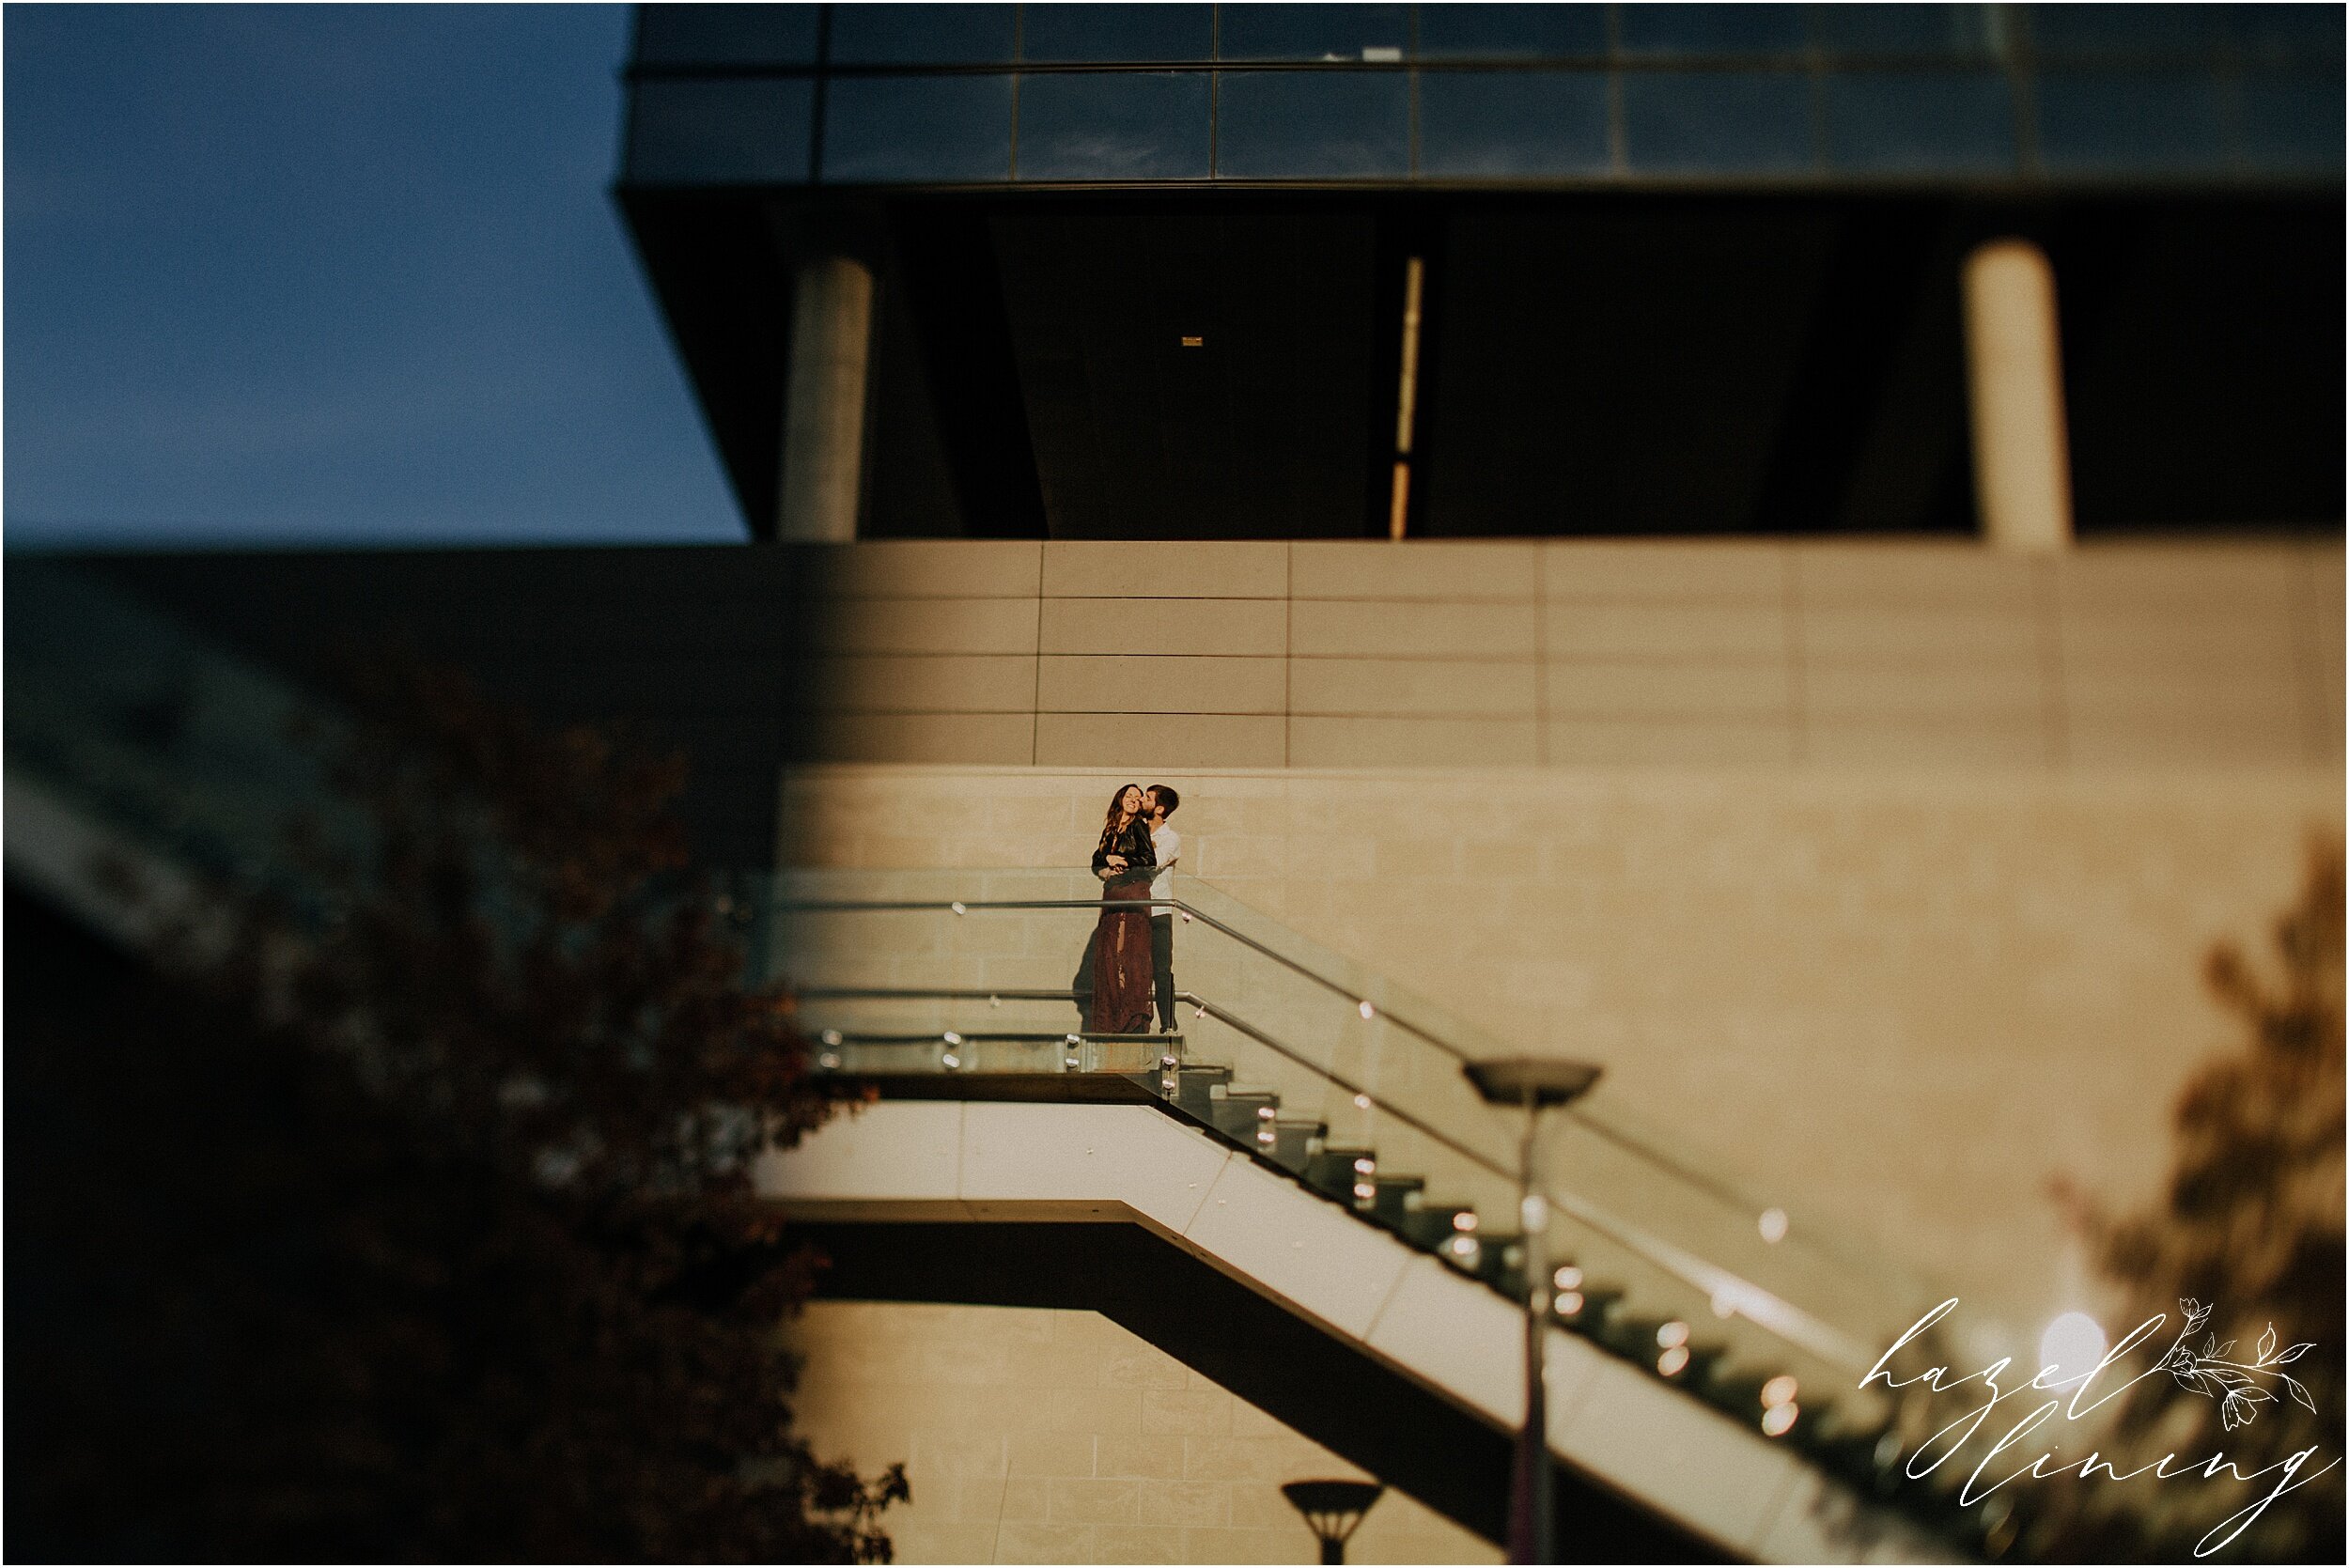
x=1142, y=271
x=1789, y=553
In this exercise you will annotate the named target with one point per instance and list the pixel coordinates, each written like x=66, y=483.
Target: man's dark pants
x=1162, y=966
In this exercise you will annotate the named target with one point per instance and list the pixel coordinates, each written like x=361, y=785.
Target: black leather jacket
x=1134, y=843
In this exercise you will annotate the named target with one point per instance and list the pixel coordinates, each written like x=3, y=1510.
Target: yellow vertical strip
x=1406, y=396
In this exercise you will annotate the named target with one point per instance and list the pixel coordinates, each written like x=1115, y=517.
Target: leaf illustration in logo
x=2300, y=1393
x=2267, y=1345
x=2294, y=1354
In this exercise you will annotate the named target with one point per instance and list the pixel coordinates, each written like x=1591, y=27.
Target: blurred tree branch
x=2250, y=1222
x=494, y=1269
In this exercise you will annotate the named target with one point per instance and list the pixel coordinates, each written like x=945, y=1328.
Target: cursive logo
x=2238, y=1386
x=2241, y=1386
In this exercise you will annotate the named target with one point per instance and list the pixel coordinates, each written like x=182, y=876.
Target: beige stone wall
x=1903, y=999
x=1715, y=653
x=1057, y=1437
x=1883, y=872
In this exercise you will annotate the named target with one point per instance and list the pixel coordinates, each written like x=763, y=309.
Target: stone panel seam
x=2048, y=615
x=2306, y=660
x=1036, y=743
x=1797, y=693
x=1541, y=661
x=1370, y=1329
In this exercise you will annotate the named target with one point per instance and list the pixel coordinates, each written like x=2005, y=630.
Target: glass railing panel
x=1289, y=1020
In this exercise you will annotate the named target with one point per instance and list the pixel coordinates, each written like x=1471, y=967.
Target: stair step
x=1434, y=1225
x=1500, y=1262
x=1242, y=1114
x=1193, y=1087
x=1335, y=1171
x=1293, y=1140
x=1394, y=1194
x=1598, y=1302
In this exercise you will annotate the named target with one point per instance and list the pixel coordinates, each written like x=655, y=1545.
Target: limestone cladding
x=1883, y=872
x=1037, y=1435
x=1925, y=655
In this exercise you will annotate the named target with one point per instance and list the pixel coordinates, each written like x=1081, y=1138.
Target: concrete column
x=823, y=400
x=2015, y=385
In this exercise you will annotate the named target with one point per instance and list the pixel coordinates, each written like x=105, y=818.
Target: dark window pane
x=884, y=129
x=2288, y=32
x=2139, y=122
x=1313, y=125
x=1314, y=32
x=1711, y=29
x=1088, y=32
x=1928, y=122
x=1959, y=30
x=2126, y=29
x=2293, y=123
x=1113, y=125
x=922, y=35
x=719, y=133
x=726, y=35
x=1491, y=124
x=1746, y=121
x=1511, y=32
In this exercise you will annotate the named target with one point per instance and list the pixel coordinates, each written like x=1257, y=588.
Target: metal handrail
x=1711, y=1186
x=959, y=904
x=1753, y=1301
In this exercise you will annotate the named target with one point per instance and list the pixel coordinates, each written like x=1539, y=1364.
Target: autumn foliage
x=2246, y=1243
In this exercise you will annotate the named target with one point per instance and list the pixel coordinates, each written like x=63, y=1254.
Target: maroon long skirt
x=1121, y=965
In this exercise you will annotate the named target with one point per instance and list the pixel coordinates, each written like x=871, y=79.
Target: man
x=1157, y=803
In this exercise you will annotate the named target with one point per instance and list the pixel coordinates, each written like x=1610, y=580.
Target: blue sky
x=319, y=275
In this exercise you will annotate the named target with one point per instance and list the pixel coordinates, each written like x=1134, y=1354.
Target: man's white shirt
x=1167, y=844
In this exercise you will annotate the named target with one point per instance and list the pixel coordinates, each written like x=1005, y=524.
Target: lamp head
x=1543, y=1082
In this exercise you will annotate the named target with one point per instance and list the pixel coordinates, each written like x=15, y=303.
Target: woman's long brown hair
x=1110, y=824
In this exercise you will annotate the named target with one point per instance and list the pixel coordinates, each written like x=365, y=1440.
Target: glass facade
x=927, y=95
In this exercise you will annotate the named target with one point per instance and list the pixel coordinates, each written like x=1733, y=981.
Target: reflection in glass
x=892, y=129
x=726, y=35
x=735, y=133
x=1113, y=125
x=2126, y=29
x=1314, y=32
x=1925, y=30
x=2170, y=123
x=1081, y=33
x=1925, y=123
x=1747, y=121
x=1764, y=29
x=1319, y=124
x=1512, y=32
x=2293, y=123
x=922, y=35
x=2288, y=32
x=1490, y=125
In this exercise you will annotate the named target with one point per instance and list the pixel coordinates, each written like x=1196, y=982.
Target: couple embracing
x=1132, y=956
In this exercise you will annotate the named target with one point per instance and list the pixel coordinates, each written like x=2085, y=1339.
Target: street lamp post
x=1332, y=1509
x=1534, y=1084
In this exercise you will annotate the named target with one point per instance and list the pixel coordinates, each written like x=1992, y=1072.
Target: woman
x=1124, y=860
